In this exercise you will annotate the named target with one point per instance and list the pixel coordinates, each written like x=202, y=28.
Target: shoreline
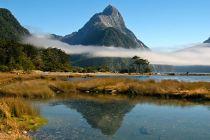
x=97, y=74
x=119, y=74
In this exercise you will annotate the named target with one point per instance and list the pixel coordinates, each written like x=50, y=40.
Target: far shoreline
x=76, y=74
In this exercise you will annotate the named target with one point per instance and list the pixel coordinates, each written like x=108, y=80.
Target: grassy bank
x=44, y=87
x=17, y=117
x=132, y=88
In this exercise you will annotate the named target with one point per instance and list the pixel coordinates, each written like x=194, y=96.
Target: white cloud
x=196, y=55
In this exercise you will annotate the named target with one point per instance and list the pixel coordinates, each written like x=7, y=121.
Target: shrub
x=4, y=68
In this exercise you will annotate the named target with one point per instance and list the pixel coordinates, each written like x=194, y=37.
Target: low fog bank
x=198, y=54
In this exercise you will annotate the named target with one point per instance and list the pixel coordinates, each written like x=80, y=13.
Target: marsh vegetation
x=47, y=86
x=18, y=116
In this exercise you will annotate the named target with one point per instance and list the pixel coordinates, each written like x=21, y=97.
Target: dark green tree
x=26, y=63
x=141, y=65
x=55, y=60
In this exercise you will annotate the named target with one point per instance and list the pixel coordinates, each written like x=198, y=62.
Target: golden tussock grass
x=39, y=86
x=17, y=116
x=28, y=89
x=16, y=107
x=165, y=88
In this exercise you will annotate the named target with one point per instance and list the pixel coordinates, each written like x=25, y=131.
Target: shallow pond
x=101, y=118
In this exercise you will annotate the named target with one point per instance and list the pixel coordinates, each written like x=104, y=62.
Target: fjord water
x=100, y=118
x=160, y=77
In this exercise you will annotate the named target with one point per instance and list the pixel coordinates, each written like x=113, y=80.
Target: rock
x=25, y=132
x=114, y=91
x=145, y=131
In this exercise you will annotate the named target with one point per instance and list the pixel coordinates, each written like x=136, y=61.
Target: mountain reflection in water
x=85, y=117
x=106, y=116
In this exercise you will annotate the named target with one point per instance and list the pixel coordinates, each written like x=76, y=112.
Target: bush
x=4, y=68
x=26, y=63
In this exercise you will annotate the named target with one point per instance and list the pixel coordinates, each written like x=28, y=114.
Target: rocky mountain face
x=207, y=41
x=56, y=37
x=10, y=28
x=105, y=29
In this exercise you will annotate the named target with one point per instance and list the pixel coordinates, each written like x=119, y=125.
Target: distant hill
x=192, y=69
x=181, y=69
x=14, y=55
x=57, y=37
x=207, y=41
x=10, y=28
x=114, y=63
x=105, y=29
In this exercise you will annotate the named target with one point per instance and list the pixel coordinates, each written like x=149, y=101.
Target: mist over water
x=198, y=54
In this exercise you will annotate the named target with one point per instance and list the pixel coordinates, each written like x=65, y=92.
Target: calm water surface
x=159, y=77
x=123, y=119
x=152, y=77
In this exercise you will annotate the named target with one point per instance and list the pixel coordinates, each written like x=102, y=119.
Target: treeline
x=91, y=69
x=17, y=56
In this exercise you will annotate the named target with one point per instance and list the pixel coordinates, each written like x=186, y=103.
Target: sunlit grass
x=48, y=86
x=165, y=88
x=28, y=89
x=16, y=117
x=15, y=107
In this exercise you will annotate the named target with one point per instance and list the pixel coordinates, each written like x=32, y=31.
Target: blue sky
x=160, y=24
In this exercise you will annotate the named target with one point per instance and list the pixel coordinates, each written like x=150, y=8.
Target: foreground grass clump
x=28, y=89
x=17, y=117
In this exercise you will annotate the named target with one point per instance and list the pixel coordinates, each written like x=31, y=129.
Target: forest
x=17, y=56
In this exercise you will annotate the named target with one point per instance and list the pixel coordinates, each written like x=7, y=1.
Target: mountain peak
x=106, y=28
x=110, y=10
x=110, y=17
